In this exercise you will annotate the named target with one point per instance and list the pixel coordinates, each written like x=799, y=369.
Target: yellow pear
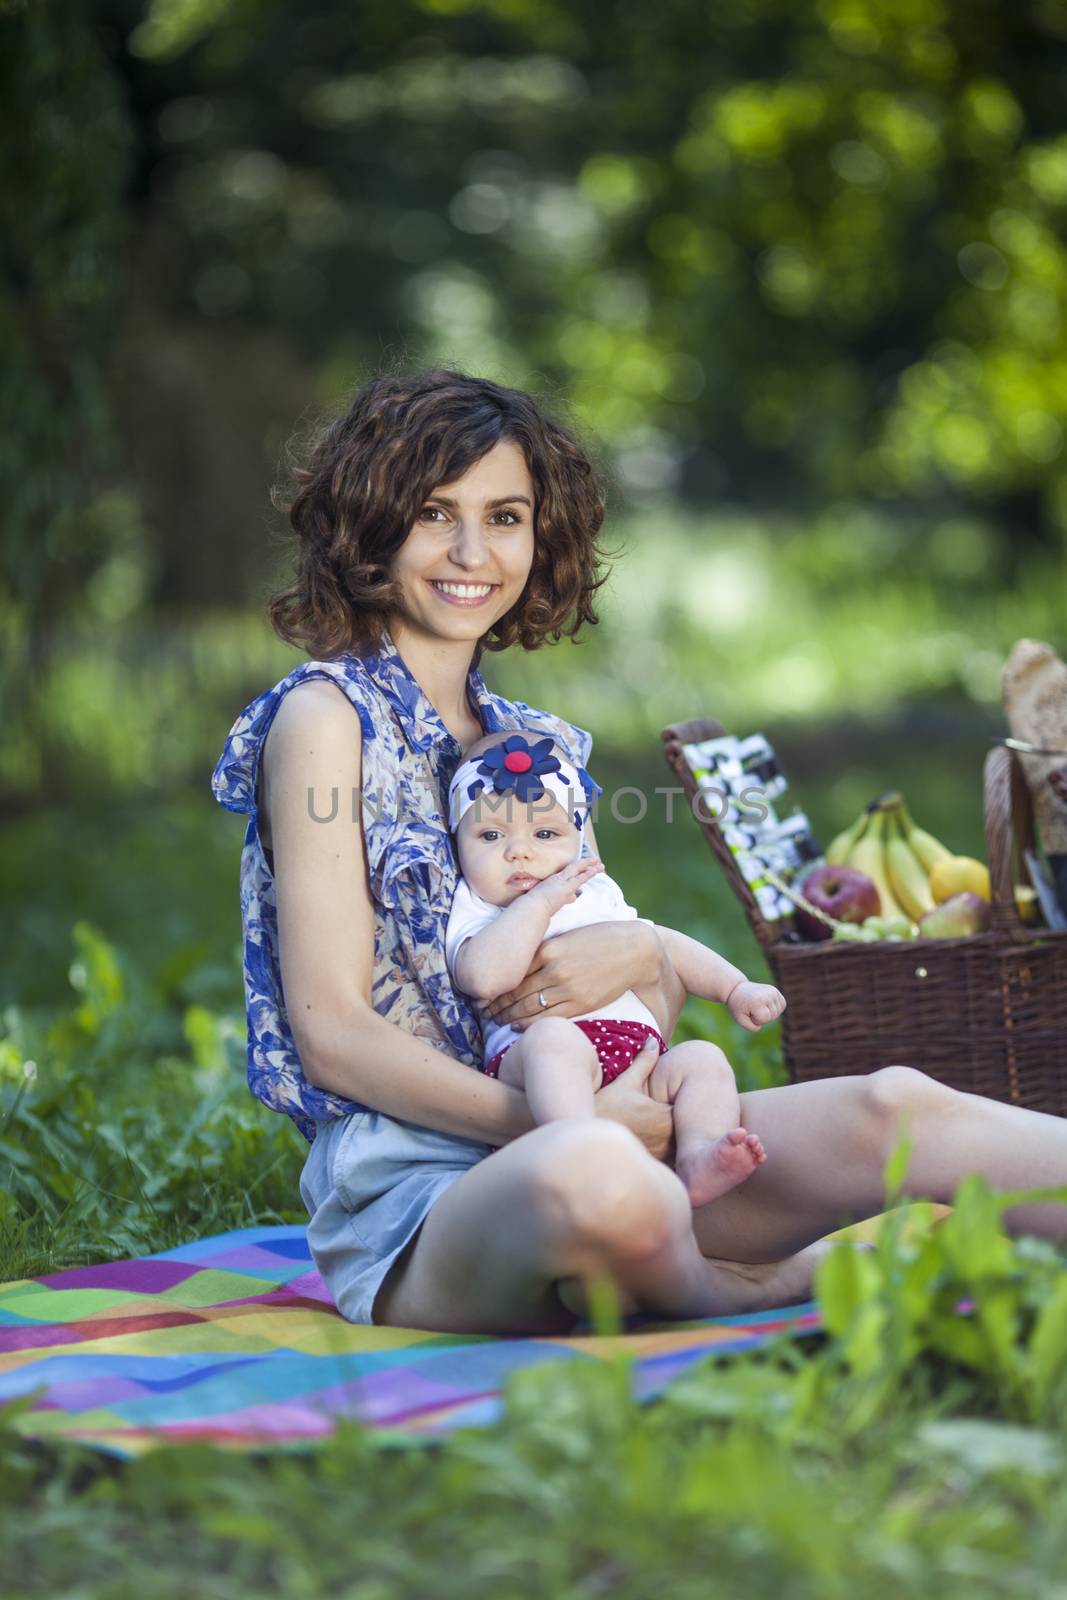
x=959, y=875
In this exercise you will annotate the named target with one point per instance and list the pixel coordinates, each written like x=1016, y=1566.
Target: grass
x=764, y=1476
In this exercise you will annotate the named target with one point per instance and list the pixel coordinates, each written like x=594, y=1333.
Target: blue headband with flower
x=527, y=771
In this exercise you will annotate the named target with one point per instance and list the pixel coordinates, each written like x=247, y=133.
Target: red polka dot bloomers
x=616, y=1042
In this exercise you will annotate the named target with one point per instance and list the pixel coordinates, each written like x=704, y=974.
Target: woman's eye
x=437, y=511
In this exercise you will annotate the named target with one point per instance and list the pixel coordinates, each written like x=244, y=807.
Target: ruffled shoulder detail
x=576, y=742
x=233, y=782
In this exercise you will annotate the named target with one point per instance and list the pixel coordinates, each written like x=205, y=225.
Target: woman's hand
x=628, y=1101
x=580, y=971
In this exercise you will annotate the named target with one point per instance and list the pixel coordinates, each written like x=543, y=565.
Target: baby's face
x=506, y=846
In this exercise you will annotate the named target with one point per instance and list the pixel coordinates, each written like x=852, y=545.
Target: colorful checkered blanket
x=234, y=1340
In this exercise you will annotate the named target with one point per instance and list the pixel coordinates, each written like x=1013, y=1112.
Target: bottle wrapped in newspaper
x=741, y=786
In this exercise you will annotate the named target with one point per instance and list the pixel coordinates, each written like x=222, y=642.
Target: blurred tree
x=789, y=254
x=62, y=175
x=786, y=252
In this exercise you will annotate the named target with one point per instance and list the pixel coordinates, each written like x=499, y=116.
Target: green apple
x=958, y=918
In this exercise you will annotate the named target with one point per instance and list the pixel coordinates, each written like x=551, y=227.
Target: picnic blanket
x=234, y=1340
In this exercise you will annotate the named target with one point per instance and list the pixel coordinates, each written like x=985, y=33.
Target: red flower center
x=518, y=761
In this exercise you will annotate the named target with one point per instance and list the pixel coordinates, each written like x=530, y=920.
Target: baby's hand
x=561, y=887
x=754, y=1004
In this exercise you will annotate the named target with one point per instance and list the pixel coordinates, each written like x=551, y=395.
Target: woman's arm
x=326, y=938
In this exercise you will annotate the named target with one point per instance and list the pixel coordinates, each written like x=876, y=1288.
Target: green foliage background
x=797, y=272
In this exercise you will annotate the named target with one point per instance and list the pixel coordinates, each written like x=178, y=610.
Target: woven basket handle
x=674, y=737
x=1009, y=824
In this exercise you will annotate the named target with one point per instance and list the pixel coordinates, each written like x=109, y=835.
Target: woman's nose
x=468, y=544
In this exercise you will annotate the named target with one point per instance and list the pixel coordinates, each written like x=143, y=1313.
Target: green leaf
x=95, y=972
x=972, y=1237
x=604, y=1306
x=838, y=1288
x=998, y=1318
x=847, y=1287
x=957, y=1337
x=1048, y=1346
x=990, y=1447
x=201, y=1028
x=896, y=1170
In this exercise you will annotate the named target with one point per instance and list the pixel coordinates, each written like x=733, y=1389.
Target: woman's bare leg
x=557, y=1067
x=567, y=1201
x=574, y=1199
x=827, y=1144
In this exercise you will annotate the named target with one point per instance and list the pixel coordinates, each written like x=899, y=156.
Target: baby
x=517, y=810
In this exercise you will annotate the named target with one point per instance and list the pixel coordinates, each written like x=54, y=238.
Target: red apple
x=843, y=893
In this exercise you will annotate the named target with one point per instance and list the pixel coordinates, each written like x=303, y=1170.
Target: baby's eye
x=547, y=833
x=489, y=835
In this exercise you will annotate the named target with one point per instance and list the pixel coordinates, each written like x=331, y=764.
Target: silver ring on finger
x=541, y=1001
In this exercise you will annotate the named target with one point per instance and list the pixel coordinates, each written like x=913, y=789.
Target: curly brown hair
x=371, y=470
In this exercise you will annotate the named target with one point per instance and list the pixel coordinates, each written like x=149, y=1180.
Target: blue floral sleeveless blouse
x=409, y=757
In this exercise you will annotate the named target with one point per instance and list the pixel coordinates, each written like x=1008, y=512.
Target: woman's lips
x=464, y=602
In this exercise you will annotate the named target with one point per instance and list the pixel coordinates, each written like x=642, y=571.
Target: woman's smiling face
x=465, y=562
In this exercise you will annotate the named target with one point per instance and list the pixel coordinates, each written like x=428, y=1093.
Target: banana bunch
x=901, y=859
x=915, y=873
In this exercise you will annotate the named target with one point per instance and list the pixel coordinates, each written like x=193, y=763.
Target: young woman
x=440, y=516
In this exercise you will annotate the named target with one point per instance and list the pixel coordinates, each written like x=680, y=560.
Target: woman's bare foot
x=730, y=1288
x=717, y=1167
x=741, y=1287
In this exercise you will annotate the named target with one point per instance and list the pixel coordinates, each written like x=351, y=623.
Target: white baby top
x=600, y=900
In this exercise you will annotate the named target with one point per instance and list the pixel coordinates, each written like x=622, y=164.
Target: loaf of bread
x=1034, y=690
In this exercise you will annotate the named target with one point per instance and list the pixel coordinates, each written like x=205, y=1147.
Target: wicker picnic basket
x=987, y=1014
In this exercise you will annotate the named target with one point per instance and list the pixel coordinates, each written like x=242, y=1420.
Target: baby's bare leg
x=556, y=1065
x=714, y=1154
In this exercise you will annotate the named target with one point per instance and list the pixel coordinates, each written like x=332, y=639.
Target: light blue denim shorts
x=368, y=1183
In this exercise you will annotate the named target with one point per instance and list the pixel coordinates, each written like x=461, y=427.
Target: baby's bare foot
x=720, y=1166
